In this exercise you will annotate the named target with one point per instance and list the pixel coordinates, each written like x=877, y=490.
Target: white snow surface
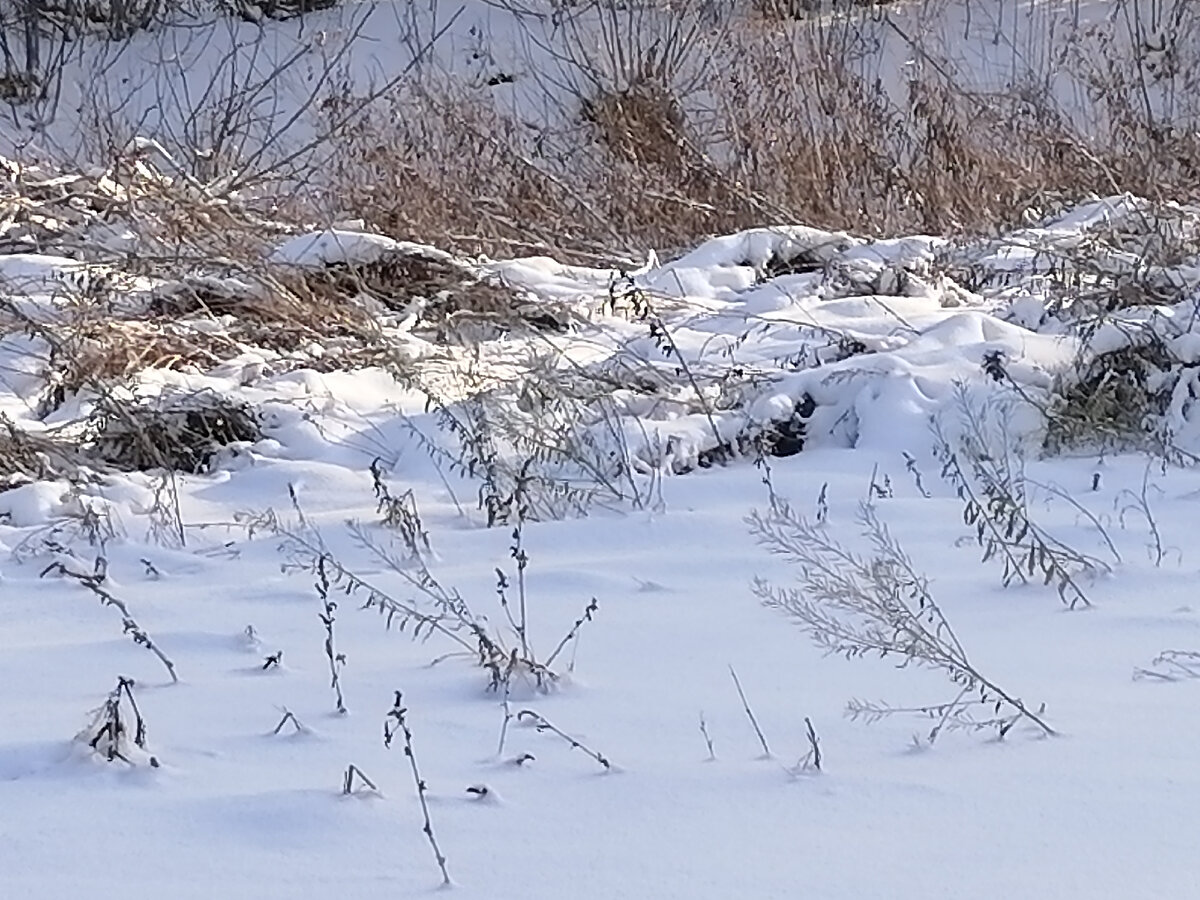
x=339, y=245
x=1103, y=809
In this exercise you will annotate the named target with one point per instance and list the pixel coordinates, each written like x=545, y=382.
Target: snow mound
x=337, y=247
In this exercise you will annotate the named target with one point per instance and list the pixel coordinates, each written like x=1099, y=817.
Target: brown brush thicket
x=769, y=117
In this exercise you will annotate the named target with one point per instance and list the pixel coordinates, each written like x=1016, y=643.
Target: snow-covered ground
x=228, y=799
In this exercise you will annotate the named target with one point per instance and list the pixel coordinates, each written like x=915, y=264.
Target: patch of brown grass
x=786, y=123
x=642, y=124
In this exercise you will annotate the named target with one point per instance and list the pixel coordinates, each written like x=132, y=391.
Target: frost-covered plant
x=541, y=723
x=430, y=608
x=108, y=733
x=876, y=604
x=1171, y=665
x=96, y=582
x=986, y=473
x=397, y=723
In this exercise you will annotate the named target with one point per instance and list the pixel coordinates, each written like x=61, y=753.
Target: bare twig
x=707, y=738
x=353, y=772
x=94, y=582
x=397, y=721
x=750, y=713
x=542, y=724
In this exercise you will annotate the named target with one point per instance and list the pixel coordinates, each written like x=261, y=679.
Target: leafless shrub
x=706, y=126
x=401, y=171
x=430, y=608
x=708, y=130
x=642, y=123
x=856, y=606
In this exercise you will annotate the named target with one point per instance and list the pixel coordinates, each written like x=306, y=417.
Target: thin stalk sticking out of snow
x=95, y=583
x=353, y=772
x=289, y=716
x=397, y=721
x=328, y=616
x=750, y=713
x=543, y=724
x=508, y=713
x=708, y=742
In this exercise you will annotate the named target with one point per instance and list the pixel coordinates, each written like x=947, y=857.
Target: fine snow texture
x=231, y=797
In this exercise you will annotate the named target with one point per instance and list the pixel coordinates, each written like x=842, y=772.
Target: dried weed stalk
x=431, y=608
x=876, y=604
x=397, y=722
x=1171, y=665
x=108, y=732
x=542, y=724
x=95, y=582
x=328, y=616
x=991, y=486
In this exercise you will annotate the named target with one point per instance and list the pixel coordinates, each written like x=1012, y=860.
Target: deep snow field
x=884, y=344
x=597, y=448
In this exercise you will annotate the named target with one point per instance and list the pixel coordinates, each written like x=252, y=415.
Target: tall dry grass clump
x=619, y=127
x=668, y=130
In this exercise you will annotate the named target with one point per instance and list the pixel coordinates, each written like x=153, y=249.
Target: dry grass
x=1113, y=401
x=173, y=433
x=786, y=121
x=792, y=10
x=26, y=457
x=642, y=123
